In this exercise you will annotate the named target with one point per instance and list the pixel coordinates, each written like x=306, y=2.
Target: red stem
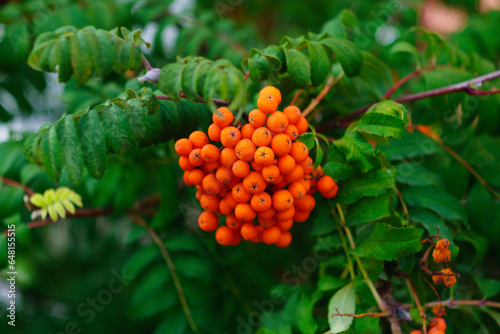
x=16, y=184
x=407, y=78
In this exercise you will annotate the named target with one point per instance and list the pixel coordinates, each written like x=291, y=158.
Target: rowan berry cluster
x=441, y=253
x=255, y=176
x=436, y=326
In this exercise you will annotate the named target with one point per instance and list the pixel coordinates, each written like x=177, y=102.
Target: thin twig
x=146, y=63
x=331, y=81
x=171, y=267
x=465, y=86
x=407, y=78
x=417, y=301
x=403, y=204
x=296, y=97
x=218, y=102
x=451, y=303
x=16, y=184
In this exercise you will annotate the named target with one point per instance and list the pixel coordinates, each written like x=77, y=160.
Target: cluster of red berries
x=259, y=177
x=441, y=253
x=436, y=326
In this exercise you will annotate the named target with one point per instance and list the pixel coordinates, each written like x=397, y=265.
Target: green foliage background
x=251, y=287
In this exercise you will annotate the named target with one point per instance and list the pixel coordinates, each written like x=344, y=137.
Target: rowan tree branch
x=362, y=315
x=15, y=184
x=331, y=81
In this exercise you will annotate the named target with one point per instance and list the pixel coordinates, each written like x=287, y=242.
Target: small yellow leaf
x=50, y=196
x=38, y=200
x=43, y=213
x=52, y=213
x=69, y=206
x=60, y=209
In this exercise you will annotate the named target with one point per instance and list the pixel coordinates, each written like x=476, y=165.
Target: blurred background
x=105, y=275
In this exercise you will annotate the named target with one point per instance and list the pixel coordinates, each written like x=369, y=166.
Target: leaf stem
x=296, y=97
x=146, y=63
x=344, y=245
x=330, y=82
x=417, y=301
x=465, y=86
x=180, y=292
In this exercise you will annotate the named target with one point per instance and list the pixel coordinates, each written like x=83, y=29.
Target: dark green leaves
x=358, y=152
x=389, y=243
x=201, y=79
x=348, y=54
x=369, y=184
x=93, y=142
x=83, y=52
x=298, y=67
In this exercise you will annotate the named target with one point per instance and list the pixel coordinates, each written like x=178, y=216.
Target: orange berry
x=230, y=136
x=248, y=231
x=299, y=152
x=261, y=202
x=326, y=185
x=297, y=190
x=195, y=157
x=271, y=235
x=267, y=214
x=442, y=244
x=270, y=90
x=306, y=203
x=210, y=184
x=209, y=203
x=222, y=117
x=267, y=222
x=282, y=200
x=210, y=153
x=416, y=332
x=281, y=144
x=271, y=173
x=293, y=114
x=305, y=183
x=224, y=175
x=438, y=323
x=300, y=216
x=267, y=103
x=449, y=281
x=241, y=168
x=211, y=167
x=285, y=215
x=292, y=131
x=286, y=164
x=224, y=235
x=435, y=331
x=185, y=164
x=224, y=207
x=198, y=139
x=284, y=225
x=259, y=229
x=302, y=125
x=256, y=167
x=318, y=172
x=247, y=131
x=307, y=165
x=185, y=177
x=262, y=137
x=264, y=156
x=208, y=221
x=214, y=132
x=228, y=157
x=441, y=255
x=296, y=174
x=254, y=183
x=245, y=149
x=257, y=118
x=281, y=184
x=277, y=122
x=284, y=240
x=236, y=239
x=233, y=223
x=196, y=176
x=183, y=146
x=244, y=211
x=230, y=200
x=239, y=193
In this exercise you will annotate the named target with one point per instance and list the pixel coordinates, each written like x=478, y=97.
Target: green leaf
x=170, y=80
x=413, y=145
x=298, y=68
x=304, y=314
x=348, y=54
x=430, y=221
x=327, y=283
x=93, y=142
x=436, y=200
x=366, y=325
x=370, y=184
x=405, y=47
x=416, y=175
x=308, y=139
x=319, y=154
x=337, y=166
x=336, y=27
x=118, y=130
x=388, y=243
x=384, y=120
x=489, y=287
x=141, y=259
x=320, y=63
x=81, y=61
x=369, y=209
x=71, y=148
x=358, y=151
x=343, y=301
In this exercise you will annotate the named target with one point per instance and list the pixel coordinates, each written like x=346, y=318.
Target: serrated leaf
x=118, y=130
x=388, y=243
x=71, y=149
x=81, y=61
x=358, y=151
x=320, y=63
x=93, y=144
x=430, y=221
x=410, y=146
x=436, y=200
x=369, y=209
x=348, y=54
x=370, y=184
x=170, y=80
x=298, y=68
x=343, y=301
x=258, y=67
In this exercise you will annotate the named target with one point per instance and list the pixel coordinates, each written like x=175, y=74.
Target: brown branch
x=218, y=102
x=407, y=78
x=465, y=87
x=417, y=301
x=296, y=97
x=171, y=267
x=451, y=303
x=15, y=184
x=314, y=102
x=362, y=315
